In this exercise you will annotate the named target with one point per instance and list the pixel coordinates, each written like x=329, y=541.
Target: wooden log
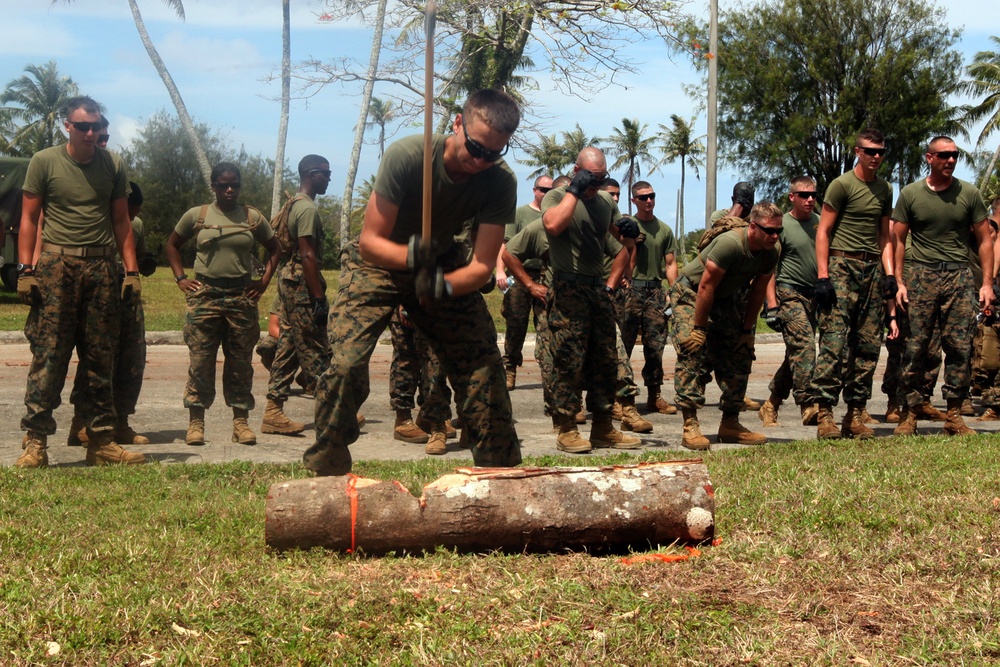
x=599, y=509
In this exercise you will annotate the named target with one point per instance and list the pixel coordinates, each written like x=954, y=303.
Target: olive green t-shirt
x=486, y=198
x=224, y=246
x=531, y=244
x=731, y=253
x=650, y=255
x=798, y=251
x=76, y=197
x=139, y=234
x=583, y=245
x=939, y=221
x=523, y=216
x=304, y=221
x=860, y=207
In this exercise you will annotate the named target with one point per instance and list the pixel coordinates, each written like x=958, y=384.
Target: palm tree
x=548, y=157
x=678, y=144
x=985, y=81
x=631, y=148
x=381, y=113
x=575, y=141
x=32, y=104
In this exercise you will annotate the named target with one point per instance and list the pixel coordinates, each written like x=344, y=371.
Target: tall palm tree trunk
x=286, y=84
x=989, y=170
x=680, y=213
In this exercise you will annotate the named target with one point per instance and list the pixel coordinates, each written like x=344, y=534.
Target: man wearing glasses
x=855, y=269
x=936, y=286
x=790, y=307
x=387, y=267
x=713, y=332
x=518, y=303
x=302, y=292
x=577, y=221
x=73, y=290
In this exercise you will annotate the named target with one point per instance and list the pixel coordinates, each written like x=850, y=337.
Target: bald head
x=592, y=159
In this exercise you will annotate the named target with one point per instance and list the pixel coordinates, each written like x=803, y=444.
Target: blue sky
x=221, y=54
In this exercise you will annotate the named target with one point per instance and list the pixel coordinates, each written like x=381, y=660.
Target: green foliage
x=31, y=111
x=552, y=158
x=632, y=148
x=677, y=143
x=984, y=83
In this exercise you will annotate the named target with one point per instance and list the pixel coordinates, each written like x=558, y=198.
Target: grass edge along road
x=870, y=553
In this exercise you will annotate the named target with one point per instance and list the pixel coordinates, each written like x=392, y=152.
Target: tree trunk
x=989, y=170
x=175, y=95
x=607, y=508
x=286, y=93
x=359, y=129
x=680, y=214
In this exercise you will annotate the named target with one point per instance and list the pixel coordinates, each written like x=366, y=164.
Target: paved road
x=161, y=416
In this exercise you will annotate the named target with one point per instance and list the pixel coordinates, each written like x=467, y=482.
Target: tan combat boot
x=276, y=421
x=989, y=415
x=125, y=435
x=907, y=422
x=196, y=427
x=406, y=431
x=616, y=411
x=731, y=430
x=604, y=435
x=33, y=454
x=427, y=425
x=511, y=378
x=569, y=439
x=867, y=418
x=581, y=417
x=102, y=450
x=693, y=439
x=927, y=412
x=769, y=412
x=631, y=420
x=437, y=441
x=751, y=404
x=854, y=424
x=953, y=422
x=826, y=427
x=656, y=403
x=241, y=428
x=892, y=412
x=810, y=414
x=77, y=432
x=968, y=410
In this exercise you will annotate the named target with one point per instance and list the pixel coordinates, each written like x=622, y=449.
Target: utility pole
x=711, y=160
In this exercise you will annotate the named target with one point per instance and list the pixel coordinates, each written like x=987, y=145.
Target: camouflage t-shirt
x=225, y=244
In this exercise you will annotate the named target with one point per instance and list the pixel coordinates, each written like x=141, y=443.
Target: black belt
x=580, y=279
x=223, y=283
x=942, y=266
x=804, y=291
x=863, y=256
x=647, y=283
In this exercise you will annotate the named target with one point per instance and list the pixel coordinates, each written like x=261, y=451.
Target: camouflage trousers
x=415, y=365
x=798, y=329
x=584, y=356
x=942, y=301
x=892, y=378
x=79, y=307
x=625, y=386
x=461, y=333
x=220, y=317
x=850, y=333
x=518, y=306
x=720, y=353
x=543, y=354
x=309, y=343
x=644, y=316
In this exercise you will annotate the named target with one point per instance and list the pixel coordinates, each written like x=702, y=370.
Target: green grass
x=833, y=553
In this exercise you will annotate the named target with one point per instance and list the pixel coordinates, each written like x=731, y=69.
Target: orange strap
x=352, y=493
x=663, y=558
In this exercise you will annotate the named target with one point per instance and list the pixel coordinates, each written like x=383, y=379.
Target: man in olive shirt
x=517, y=302
x=577, y=220
x=710, y=332
x=653, y=261
x=852, y=251
x=790, y=306
x=938, y=288
x=389, y=266
x=73, y=290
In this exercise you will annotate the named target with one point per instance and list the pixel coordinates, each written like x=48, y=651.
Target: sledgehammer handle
x=430, y=18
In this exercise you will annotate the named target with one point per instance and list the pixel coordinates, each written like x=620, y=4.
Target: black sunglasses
x=477, y=150
x=804, y=194
x=226, y=186
x=543, y=190
x=103, y=138
x=946, y=155
x=770, y=231
x=650, y=197
x=86, y=126
x=871, y=151
x=326, y=172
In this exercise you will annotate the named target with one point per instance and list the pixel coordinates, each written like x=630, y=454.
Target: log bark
x=599, y=509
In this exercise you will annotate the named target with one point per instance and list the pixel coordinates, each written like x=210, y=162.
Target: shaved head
x=592, y=159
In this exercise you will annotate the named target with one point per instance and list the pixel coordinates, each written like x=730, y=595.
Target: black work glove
x=628, y=227
x=581, y=182
x=147, y=265
x=889, y=288
x=743, y=195
x=490, y=285
x=419, y=256
x=431, y=286
x=772, y=319
x=320, y=311
x=823, y=293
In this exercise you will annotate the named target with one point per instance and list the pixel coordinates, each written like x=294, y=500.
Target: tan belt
x=80, y=251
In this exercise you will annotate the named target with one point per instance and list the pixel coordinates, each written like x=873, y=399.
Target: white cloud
x=34, y=40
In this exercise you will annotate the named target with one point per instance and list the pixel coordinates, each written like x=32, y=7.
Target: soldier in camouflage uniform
x=302, y=291
x=222, y=300
x=577, y=221
x=852, y=249
x=711, y=332
x=73, y=289
x=389, y=266
x=938, y=288
x=518, y=303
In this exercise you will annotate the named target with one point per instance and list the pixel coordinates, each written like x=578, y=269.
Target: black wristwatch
x=181, y=277
x=132, y=273
x=25, y=268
